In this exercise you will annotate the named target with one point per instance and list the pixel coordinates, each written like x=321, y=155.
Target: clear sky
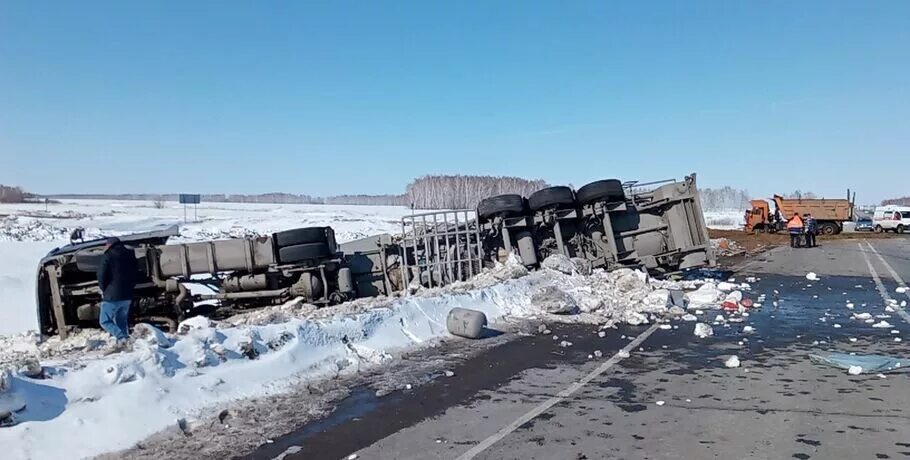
x=360, y=97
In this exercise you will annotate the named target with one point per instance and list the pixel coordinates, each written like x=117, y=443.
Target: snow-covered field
x=168, y=380
x=728, y=219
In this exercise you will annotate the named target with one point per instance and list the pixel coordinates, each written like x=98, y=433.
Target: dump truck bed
x=821, y=209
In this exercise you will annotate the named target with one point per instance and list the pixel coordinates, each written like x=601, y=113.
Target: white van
x=891, y=218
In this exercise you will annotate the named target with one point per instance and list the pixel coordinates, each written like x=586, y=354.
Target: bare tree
x=458, y=192
x=158, y=203
x=10, y=194
x=724, y=198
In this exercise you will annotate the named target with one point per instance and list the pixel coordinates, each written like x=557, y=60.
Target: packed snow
x=728, y=219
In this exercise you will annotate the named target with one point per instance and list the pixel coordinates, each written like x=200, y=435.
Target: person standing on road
x=811, y=230
x=117, y=279
x=795, y=228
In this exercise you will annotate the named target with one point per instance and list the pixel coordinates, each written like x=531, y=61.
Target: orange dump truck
x=829, y=213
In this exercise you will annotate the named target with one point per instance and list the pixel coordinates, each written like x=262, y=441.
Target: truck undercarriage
x=660, y=230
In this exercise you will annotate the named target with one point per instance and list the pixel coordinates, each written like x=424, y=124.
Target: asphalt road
x=672, y=397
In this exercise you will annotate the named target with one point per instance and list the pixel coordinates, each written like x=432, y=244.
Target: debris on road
x=811, y=276
x=689, y=317
x=660, y=403
x=732, y=361
x=868, y=364
x=862, y=316
x=855, y=370
x=882, y=324
x=748, y=329
x=702, y=330
x=901, y=290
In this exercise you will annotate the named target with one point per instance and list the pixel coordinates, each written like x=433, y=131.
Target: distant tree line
x=427, y=192
x=724, y=198
x=902, y=201
x=10, y=194
x=464, y=192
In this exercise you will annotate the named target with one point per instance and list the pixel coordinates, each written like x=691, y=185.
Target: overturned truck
x=605, y=223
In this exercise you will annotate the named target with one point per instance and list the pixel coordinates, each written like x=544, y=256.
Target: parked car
x=891, y=218
x=864, y=225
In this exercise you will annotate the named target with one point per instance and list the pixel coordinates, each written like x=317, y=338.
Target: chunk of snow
x=726, y=286
x=598, y=353
x=450, y=374
x=811, y=276
x=837, y=326
x=689, y=317
x=748, y=329
x=882, y=324
x=706, y=294
x=897, y=339
x=853, y=339
x=850, y=305
x=901, y=290
x=666, y=326
x=719, y=319
x=855, y=370
x=889, y=309
x=660, y=403
x=732, y=361
x=702, y=330
x=862, y=316
x=601, y=334
x=623, y=354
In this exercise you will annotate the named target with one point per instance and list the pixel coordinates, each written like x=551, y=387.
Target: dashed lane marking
x=562, y=395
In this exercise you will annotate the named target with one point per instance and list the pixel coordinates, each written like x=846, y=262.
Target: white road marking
x=878, y=281
x=888, y=267
x=562, y=395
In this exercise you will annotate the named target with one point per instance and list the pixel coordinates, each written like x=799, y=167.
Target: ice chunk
x=855, y=370
x=811, y=276
x=748, y=329
x=862, y=316
x=689, y=317
x=559, y=263
x=735, y=297
x=732, y=361
x=660, y=403
x=666, y=326
x=702, y=330
x=889, y=309
x=555, y=301
x=719, y=319
x=882, y=324
x=706, y=294
x=901, y=290
x=850, y=305
x=725, y=286
x=623, y=354
x=836, y=326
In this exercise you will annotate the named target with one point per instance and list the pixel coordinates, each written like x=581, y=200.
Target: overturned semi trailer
x=609, y=225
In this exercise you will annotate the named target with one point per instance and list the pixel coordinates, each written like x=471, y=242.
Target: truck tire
x=879, y=229
x=900, y=229
x=506, y=205
x=559, y=197
x=303, y=252
x=609, y=190
x=828, y=228
x=301, y=236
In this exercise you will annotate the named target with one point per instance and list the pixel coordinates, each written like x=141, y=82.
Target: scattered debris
x=702, y=330
x=450, y=374
x=623, y=354
x=598, y=353
x=811, y=276
x=689, y=317
x=864, y=363
x=732, y=361
x=855, y=370
x=660, y=403
x=748, y=329
x=882, y=324
x=901, y=290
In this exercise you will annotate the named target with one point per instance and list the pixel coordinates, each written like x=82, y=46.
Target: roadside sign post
x=185, y=199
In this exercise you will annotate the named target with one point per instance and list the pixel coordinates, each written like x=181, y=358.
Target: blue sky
x=360, y=97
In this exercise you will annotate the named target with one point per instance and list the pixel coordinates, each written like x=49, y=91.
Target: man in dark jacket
x=117, y=278
x=811, y=230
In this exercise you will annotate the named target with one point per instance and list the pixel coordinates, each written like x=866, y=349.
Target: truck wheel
x=900, y=229
x=555, y=197
x=301, y=236
x=507, y=205
x=827, y=229
x=303, y=252
x=879, y=229
x=609, y=190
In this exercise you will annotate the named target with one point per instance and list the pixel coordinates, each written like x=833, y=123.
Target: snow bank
x=17, y=284
x=132, y=395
